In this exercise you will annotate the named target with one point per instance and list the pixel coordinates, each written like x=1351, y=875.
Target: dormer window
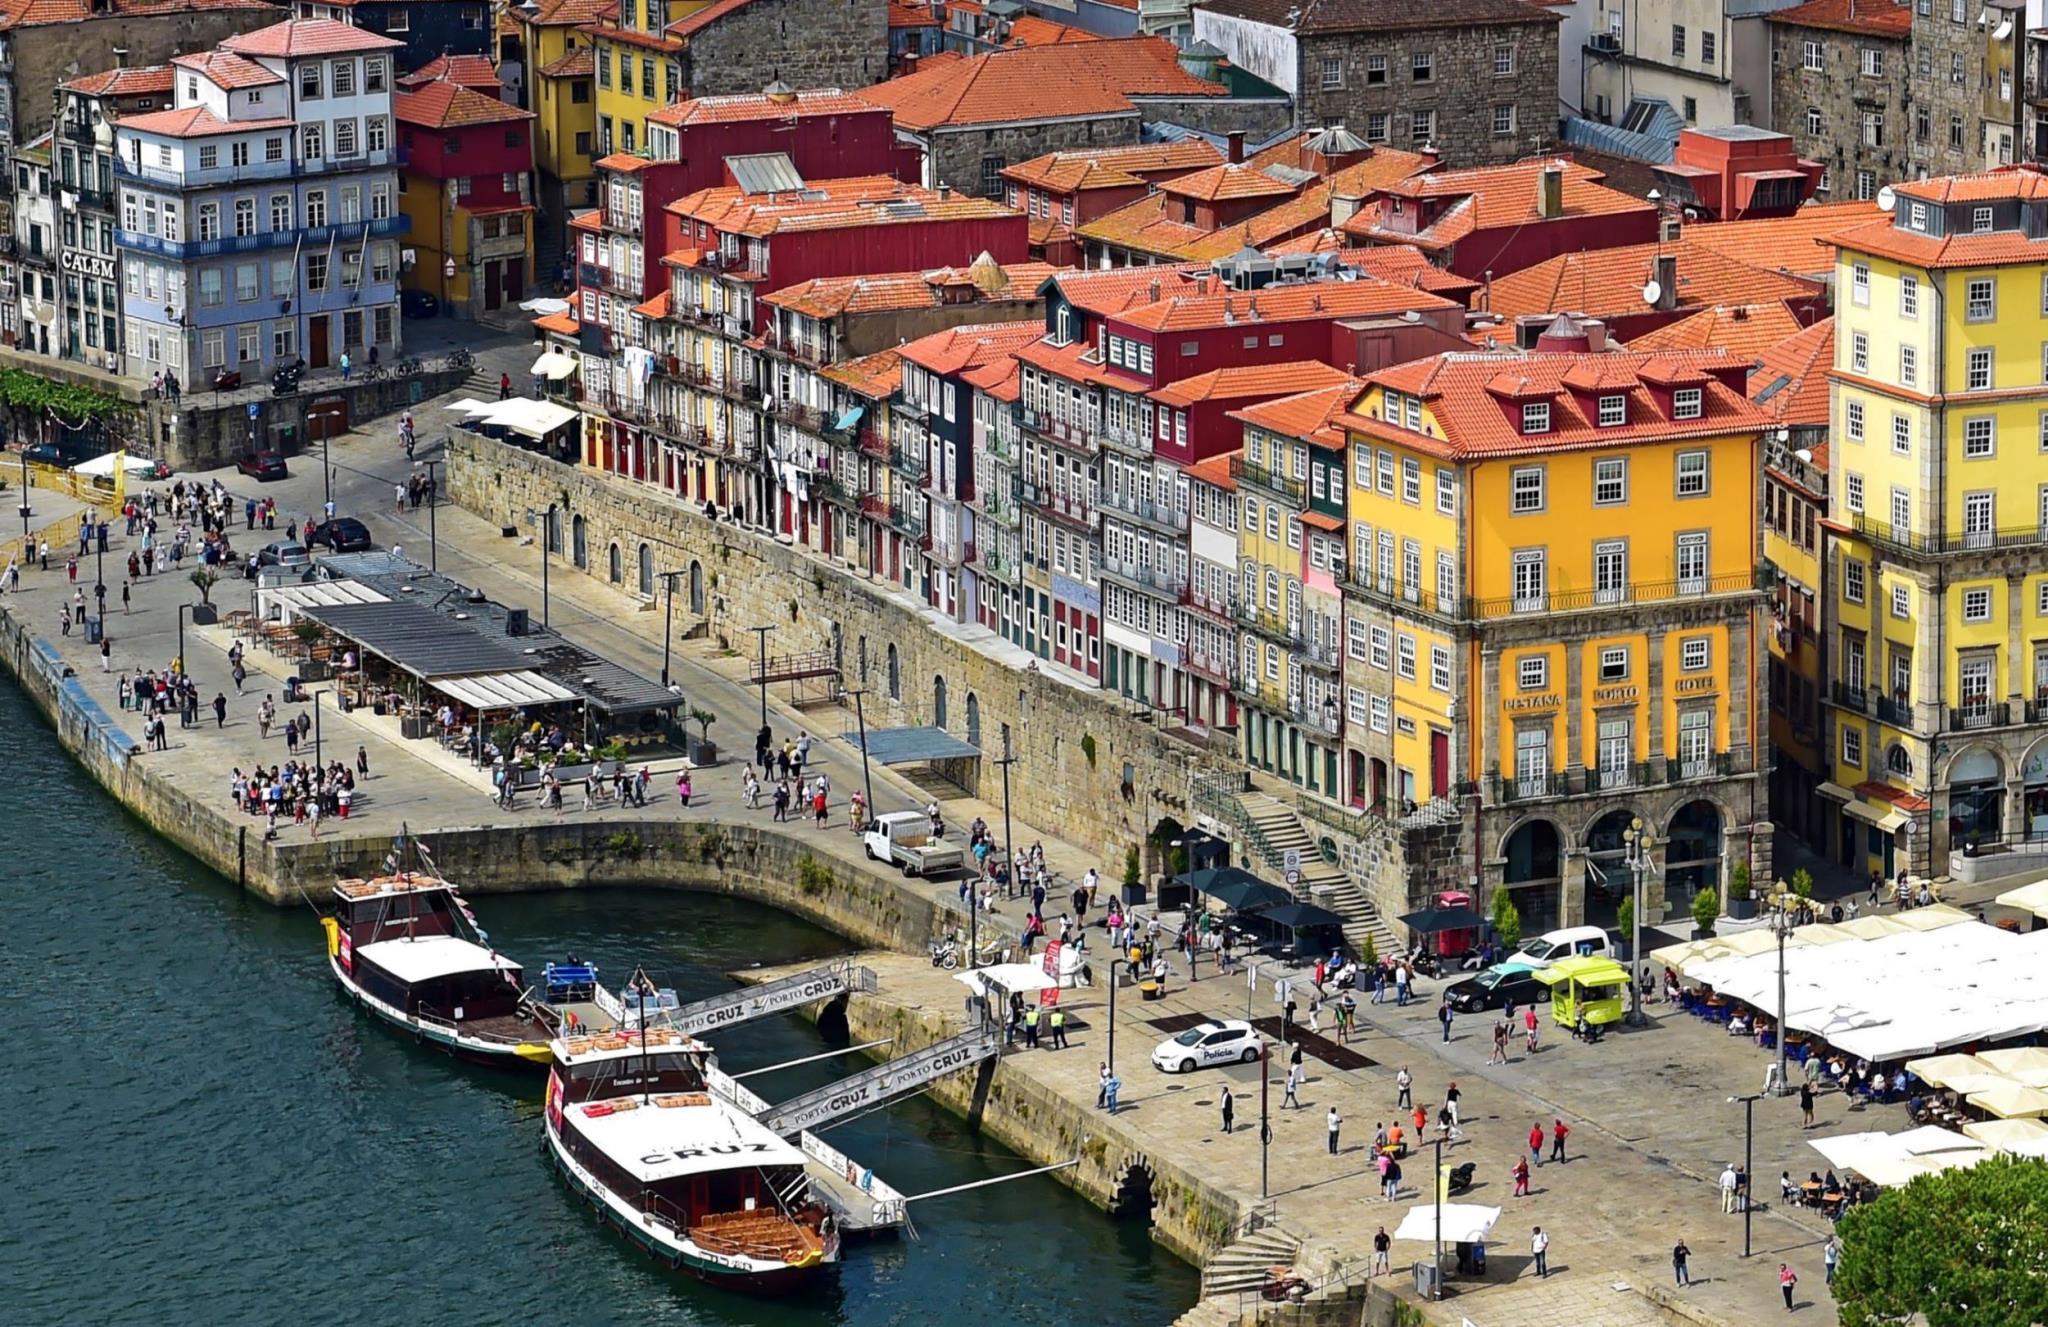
x=1685, y=403
x=1536, y=417
x=1916, y=216
x=1613, y=411
x=1980, y=220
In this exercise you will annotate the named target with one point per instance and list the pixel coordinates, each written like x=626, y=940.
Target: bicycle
x=460, y=358
x=410, y=367
x=373, y=373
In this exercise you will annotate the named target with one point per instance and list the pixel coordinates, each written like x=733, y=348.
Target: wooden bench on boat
x=763, y=1233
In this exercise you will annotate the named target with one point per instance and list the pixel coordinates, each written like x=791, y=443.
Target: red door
x=493, y=297
x=1439, y=763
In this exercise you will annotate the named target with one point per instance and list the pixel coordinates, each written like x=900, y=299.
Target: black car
x=262, y=465
x=1492, y=989
x=54, y=453
x=418, y=303
x=343, y=534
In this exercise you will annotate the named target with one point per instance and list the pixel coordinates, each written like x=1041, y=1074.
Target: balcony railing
x=1271, y=480
x=1979, y=712
x=1164, y=580
x=1850, y=696
x=1075, y=507
x=1223, y=606
x=1639, y=592
x=796, y=348
x=1396, y=593
x=1154, y=513
x=316, y=236
x=1325, y=717
x=1074, y=435
x=1637, y=774
x=873, y=444
x=1988, y=540
x=1216, y=668
x=909, y=464
x=801, y=415
x=1897, y=712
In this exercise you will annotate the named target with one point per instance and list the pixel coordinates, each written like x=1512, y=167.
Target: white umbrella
x=545, y=306
x=1463, y=1223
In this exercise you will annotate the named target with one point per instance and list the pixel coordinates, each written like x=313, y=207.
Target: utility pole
x=1265, y=1121
x=1009, y=843
x=867, y=776
x=1748, y=1196
x=433, y=514
x=1111, y=1059
x=761, y=634
x=668, y=622
x=547, y=538
x=1436, y=1282
x=1636, y=842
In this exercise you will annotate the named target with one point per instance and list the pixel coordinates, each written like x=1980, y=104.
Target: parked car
x=282, y=554
x=418, y=303
x=1580, y=941
x=343, y=534
x=905, y=838
x=1493, y=988
x=1225, y=1041
x=263, y=465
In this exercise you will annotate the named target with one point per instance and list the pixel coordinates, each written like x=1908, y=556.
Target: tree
x=1371, y=957
x=1984, y=1269
x=1738, y=881
x=703, y=719
x=1706, y=906
x=1802, y=883
x=205, y=580
x=1507, y=921
x=1130, y=873
x=1625, y=920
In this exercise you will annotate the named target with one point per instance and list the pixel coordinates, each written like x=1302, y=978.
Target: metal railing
x=1994, y=539
x=1659, y=770
x=1638, y=592
x=1225, y=607
x=1976, y=713
x=1161, y=579
x=1273, y=481
x=1396, y=593
x=1156, y=513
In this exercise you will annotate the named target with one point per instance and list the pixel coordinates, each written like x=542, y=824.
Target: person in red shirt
x=1536, y=1143
x=1521, y=1174
x=1558, y=1133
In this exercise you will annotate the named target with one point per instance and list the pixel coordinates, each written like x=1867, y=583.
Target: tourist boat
x=405, y=948
x=699, y=1184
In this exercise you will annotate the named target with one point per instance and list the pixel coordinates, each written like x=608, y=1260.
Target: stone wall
x=805, y=43
x=1257, y=118
x=1084, y=765
x=49, y=54
x=198, y=433
x=1462, y=91
x=1841, y=93
x=956, y=155
x=1937, y=42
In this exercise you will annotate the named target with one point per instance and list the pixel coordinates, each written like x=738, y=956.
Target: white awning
x=1885, y=818
x=554, y=366
x=1836, y=792
x=1013, y=978
x=287, y=601
x=502, y=691
x=1463, y=1222
x=2027, y=898
x=103, y=467
x=471, y=406
x=431, y=957
x=534, y=419
x=545, y=305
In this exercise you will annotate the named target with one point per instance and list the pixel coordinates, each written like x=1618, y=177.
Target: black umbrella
x=1431, y=920
x=1297, y=916
x=1237, y=888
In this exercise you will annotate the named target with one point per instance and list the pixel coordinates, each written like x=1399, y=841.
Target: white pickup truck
x=905, y=838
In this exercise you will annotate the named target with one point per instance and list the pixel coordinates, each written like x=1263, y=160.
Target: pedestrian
x=1728, y=1183
x=1788, y=1281
x=1293, y=1085
x=1334, y=1121
x=347, y=366
x=1229, y=1111
x=362, y=762
x=1536, y=1143
x=1529, y=1022
x=1404, y=1086
x=1381, y=1242
x=504, y=385
x=1830, y=1255
x=1539, y=1244
x=684, y=789
x=1680, y=1255
x=1559, y=1131
x=220, y=709
x=106, y=654
x=1101, y=1083
x=1443, y=1015
x=1315, y=1004
x=1451, y=1100
x=1500, y=1042
x=1059, y=1028
x=1806, y=1105
x=1110, y=1085
x=1520, y=1173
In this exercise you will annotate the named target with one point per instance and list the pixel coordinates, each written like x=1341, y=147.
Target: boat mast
x=640, y=992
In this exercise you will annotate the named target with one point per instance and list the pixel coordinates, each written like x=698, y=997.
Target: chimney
x=1235, y=139
x=1486, y=292
x=1667, y=280
x=1550, y=192
x=945, y=192
x=908, y=65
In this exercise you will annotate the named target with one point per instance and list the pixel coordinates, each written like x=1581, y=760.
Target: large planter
x=1741, y=909
x=309, y=670
x=701, y=750
x=205, y=615
x=416, y=726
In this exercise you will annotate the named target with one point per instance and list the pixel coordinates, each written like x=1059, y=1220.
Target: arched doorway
x=646, y=571
x=2034, y=789
x=1692, y=855
x=1976, y=798
x=697, y=588
x=1534, y=872
x=1608, y=881
x=973, y=719
x=895, y=673
x=615, y=565
x=1166, y=848
x=554, y=525
x=579, y=538
x=939, y=702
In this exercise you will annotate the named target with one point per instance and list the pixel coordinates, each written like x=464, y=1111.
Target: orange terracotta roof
x=1475, y=400
x=1002, y=379
x=1791, y=380
x=562, y=324
x=591, y=220
x=691, y=24
x=1981, y=187
x=973, y=346
x=1229, y=180
x=1036, y=30
x=1375, y=16
x=1307, y=301
x=472, y=71
x=572, y=13
x=657, y=307
x=757, y=106
x=1077, y=361
x=830, y=205
x=1745, y=331
x=1111, y=290
x=1310, y=415
x=448, y=105
x=1260, y=380
x=1609, y=282
x=1092, y=78
x=903, y=15
x=1489, y=198
x=1876, y=18
x=623, y=163
x=1215, y=472
x=1322, y=520
x=1885, y=239
x=873, y=376
x=579, y=63
x=308, y=36
x=146, y=81
x=1072, y=172
x=195, y=122
x=610, y=30
x=1388, y=262
x=833, y=297
x=225, y=69
x=51, y=13
x=1797, y=244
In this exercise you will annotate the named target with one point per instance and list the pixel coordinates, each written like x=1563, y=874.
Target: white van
x=1541, y=950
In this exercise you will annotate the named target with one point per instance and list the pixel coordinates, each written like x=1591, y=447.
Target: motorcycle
x=285, y=379
x=1461, y=1177
x=945, y=954
x=226, y=379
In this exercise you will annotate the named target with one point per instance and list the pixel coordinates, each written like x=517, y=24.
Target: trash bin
x=1428, y=1279
x=93, y=628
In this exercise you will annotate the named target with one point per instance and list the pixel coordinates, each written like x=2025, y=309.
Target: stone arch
x=614, y=563
x=1975, y=779
x=1607, y=874
x=552, y=518
x=1898, y=760
x=938, y=701
x=973, y=719
x=647, y=571
x=1694, y=851
x=579, y=539
x=895, y=673
x=1532, y=870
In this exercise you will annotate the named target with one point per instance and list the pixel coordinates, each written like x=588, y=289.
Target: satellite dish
x=1887, y=199
x=1652, y=292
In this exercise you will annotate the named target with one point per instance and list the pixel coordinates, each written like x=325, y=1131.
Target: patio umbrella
x=2011, y=1101
x=1964, y=1073
x=1431, y=920
x=2015, y=1060
x=1462, y=1222
x=1296, y=915
x=1238, y=889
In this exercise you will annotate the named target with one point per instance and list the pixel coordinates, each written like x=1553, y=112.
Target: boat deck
x=509, y=1028
x=853, y=1209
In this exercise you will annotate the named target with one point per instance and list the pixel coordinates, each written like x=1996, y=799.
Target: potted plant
x=1741, y=905
x=308, y=634
x=1802, y=883
x=1133, y=888
x=1625, y=925
x=1973, y=843
x=204, y=614
x=701, y=749
x=1507, y=920
x=1706, y=907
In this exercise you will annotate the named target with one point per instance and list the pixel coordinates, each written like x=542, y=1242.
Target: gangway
x=882, y=1083
x=865, y=1205
x=774, y=997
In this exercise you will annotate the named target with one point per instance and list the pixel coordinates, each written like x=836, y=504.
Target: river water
x=205, y=1134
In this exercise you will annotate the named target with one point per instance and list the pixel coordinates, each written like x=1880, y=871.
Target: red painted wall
x=1510, y=249
x=480, y=152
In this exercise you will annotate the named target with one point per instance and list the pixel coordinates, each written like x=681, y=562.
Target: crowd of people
x=305, y=791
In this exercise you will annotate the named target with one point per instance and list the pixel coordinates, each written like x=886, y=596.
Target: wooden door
x=1439, y=763
x=316, y=341
x=492, y=294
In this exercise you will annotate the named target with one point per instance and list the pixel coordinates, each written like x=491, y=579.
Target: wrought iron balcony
x=1273, y=481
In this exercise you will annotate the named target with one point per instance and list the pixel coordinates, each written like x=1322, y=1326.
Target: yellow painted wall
x=560, y=116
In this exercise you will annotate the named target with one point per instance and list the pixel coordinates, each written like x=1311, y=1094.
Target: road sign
x=254, y=410
x=1290, y=865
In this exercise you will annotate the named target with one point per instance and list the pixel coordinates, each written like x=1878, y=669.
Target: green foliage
x=1507, y=919
x=812, y=877
x=1957, y=1249
x=1088, y=748
x=307, y=632
x=1371, y=956
x=623, y=844
x=1706, y=906
x=612, y=750
x=505, y=735
x=22, y=390
x=1625, y=918
x=703, y=719
x=1802, y=883
x=205, y=580
x=1130, y=868
x=1738, y=881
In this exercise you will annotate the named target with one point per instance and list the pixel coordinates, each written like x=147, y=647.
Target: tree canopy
x=22, y=390
x=1507, y=919
x=1965, y=1248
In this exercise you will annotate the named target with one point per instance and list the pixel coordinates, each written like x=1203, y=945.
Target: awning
x=849, y=419
x=1430, y=921
x=2027, y=898
x=1298, y=916
x=1235, y=887
x=1835, y=792
x=533, y=419
x=503, y=691
x=2027, y=1138
x=553, y=365
x=914, y=746
x=1878, y=814
x=1462, y=1222
x=2011, y=1101
x=1010, y=978
x=471, y=406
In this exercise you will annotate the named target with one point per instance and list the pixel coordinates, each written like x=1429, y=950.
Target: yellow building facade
x=637, y=69
x=1938, y=611
x=562, y=70
x=1552, y=611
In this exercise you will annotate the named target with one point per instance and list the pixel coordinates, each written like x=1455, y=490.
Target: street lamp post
x=867, y=777
x=668, y=622
x=181, y=636
x=761, y=634
x=433, y=513
x=1636, y=841
x=316, y=726
x=25, y=509
x=1265, y=1119
x=1125, y=961
x=1009, y=843
x=325, y=424
x=1781, y=927
x=547, y=539
x=1436, y=1283
x=1748, y=1198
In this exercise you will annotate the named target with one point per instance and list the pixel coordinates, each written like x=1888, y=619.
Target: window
x=1382, y=648
x=1384, y=462
x=211, y=287
x=1694, y=654
x=1610, y=571
x=1527, y=489
x=1859, y=349
x=1814, y=124
x=1375, y=70
x=1532, y=760
x=373, y=73
x=1871, y=60
x=1685, y=403
x=344, y=78
x=316, y=271
x=1613, y=411
x=1852, y=581
x=309, y=82
x=1503, y=60
x=1852, y=492
x=1614, y=664
x=1677, y=41
x=1852, y=745
x=1706, y=47
x=1980, y=519
x=1610, y=481
x=1380, y=714
x=1980, y=300
x=1955, y=122
x=1977, y=371
x=1376, y=127
x=345, y=138
x=1422, y=67
x=1692, y=474
x=1529, y=580
x=1532, y=671
x=1333, y=73
x=1404, y=656
x=1980, y=438
x=1447, y=481
x=377, y=135
x=1504, y=121
x=1692, y=562
x=1692, y=110
x=1902, y=435
x=1853, y=416
x=1902, y=601
x=1422, y=127
x=1873, y=128
x=1536, y=417
x=312, y=141
x=1809, y=55
x=209, y=157
x=316, y=207
x=1411, y=481
x=1902, y=512
x=1909, y=366
x=1859, y=283
x=1980, y=220
x=1977, y=605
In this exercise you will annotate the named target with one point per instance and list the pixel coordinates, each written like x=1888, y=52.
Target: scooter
x=945, y=954
x=226, y=379
x=285, y=381
x=1461, y=1177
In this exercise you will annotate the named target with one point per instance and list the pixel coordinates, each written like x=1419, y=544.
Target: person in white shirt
x=1728, y=1183
x=1539, y=1244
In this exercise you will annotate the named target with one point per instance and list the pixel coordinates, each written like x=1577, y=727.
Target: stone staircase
x=1271, y=827
x=1243, y=1265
